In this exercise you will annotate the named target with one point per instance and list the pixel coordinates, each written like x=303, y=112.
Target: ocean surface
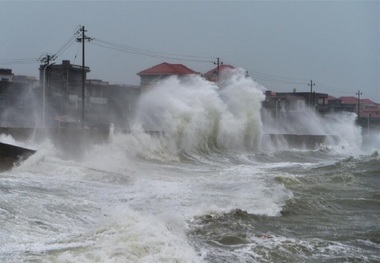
x=207, y=189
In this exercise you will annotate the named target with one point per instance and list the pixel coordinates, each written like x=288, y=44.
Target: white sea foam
x=196, y=114
x=5, y=138
x=128, y=236
x=8, y=139
x=130, y=199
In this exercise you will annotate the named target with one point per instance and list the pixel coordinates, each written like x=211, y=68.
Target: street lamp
x=43, y=93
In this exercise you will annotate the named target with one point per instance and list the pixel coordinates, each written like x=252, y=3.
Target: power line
x=76, y=53
x=257, y=75
x=19, y=61
x=149, y=53
x=48, y=57
x=330, y=87
x=279, y=77
x=65, y=46
x=278, y=80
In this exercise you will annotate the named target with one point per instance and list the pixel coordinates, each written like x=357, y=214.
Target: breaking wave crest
x=199, y=116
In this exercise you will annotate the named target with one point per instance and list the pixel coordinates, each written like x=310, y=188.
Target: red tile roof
x=209, y=73
x=354, y=100
x=367, y=101
x=349, y=100
x=167, y=69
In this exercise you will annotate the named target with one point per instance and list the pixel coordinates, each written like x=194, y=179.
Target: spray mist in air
x=198, y=115
x=190, y=115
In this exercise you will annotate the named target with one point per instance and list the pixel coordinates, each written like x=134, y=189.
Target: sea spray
x=339, y=128
x=242, y=126
x=200, y=116
x=233, y=205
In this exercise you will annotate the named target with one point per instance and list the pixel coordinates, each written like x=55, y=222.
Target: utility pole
x=218, y=63
x=358, y=93
x=45, y=60
x=311, y=84
x=83, y=39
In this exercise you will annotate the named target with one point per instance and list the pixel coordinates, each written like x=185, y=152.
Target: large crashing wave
x=194, y=116
x=198, y=115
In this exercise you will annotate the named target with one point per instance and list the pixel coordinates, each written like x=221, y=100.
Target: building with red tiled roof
x=331, y=97
x=367, y=108
x=163, y=70
x=354, y=100
x=349, y=100
x=212, y=75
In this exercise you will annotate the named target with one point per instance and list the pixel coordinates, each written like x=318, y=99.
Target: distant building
x=30, y=81
x=104, y=103
x=110, y=103
x=18, y=107
x=364, y=108
x=63, y=91
x=162, y=71
x=295, y=101
x=213, y=74
x=6, y=74
x=122, y=101
x=63, y=82
x=96, y=102
x=337, y=105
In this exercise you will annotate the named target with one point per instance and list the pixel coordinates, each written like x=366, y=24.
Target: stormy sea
x=196, y=179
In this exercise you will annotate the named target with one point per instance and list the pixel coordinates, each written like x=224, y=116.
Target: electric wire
x=149, y=53
x=273, y=78
x=257, y=75
x=76, y=53
x=42, y=58
x=64, y=47
x=19, y=61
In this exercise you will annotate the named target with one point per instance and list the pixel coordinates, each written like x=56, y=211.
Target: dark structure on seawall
x=11, y=154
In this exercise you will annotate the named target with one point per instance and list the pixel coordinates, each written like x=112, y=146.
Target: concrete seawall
x=72, y=142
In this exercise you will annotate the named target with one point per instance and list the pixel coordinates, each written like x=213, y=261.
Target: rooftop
x=167, y=69
x=211, y=72
x=354, y=100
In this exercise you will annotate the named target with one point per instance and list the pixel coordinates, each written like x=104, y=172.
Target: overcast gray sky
x=282, y=44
